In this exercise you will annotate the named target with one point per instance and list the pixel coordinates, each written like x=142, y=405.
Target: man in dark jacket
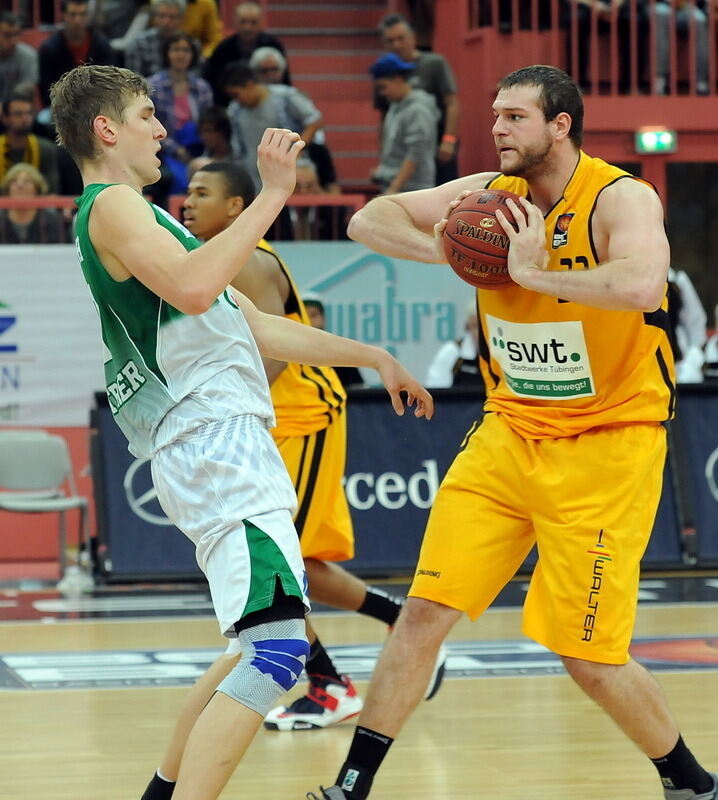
x=74, y=44
x=239, y=47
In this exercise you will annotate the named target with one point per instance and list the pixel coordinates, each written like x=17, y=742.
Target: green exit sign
x=656, y=140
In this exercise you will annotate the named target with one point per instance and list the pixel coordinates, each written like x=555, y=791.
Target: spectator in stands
x=632, y=29
x=349, y=376
x=408, y=136
x=311, y=223
x=215, y=132
x=18, y=61
x=257, y=106
x=19, y=145
x=119, y=20
x=201, y=20
x=144, y=54
x=456, y=362
x=710, y=351
x=269, y=65
x=688, y=327
x=239, y=47
x=28, y=225
x=433, y=74
x=179, y=97
x=74, y=44
x=682, y=15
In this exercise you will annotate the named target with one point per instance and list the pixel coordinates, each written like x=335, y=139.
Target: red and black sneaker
x=326, y=703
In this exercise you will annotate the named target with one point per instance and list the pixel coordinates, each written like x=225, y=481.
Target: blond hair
x=22, y=168
x=86, y=92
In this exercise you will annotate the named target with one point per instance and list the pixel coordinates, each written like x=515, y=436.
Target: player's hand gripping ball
x=475, y=244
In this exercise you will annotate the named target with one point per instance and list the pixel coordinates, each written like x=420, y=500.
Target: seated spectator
x=119, y=20
x=75, y=43
x=18, y=61
x=257, y=106
x=201, y=21
x=349, y=376
x=683, y=15
x=28, y=225
x=269, y=65
x=19, y=145
x=144, y=54
x=215, y=133
x=311, y=223
x=688, y=327
x=408, y=135
x=456, y=363
x=239, y=47
x=179, y=98
x=710, y=351
x=433, y=74
x=628, y=26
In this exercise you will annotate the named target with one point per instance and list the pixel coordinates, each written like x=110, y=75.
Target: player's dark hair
x=86, y=92
x=559, y=93
x=237, y=180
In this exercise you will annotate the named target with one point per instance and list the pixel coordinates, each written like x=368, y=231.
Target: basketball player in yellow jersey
x=570, y=453
x=309, y=405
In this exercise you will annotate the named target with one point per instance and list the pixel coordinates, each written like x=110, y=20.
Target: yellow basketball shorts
x=587, y=501
x=315, y=463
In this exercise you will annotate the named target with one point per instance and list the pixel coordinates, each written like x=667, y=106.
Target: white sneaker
x=437, y=676
x=326, y=703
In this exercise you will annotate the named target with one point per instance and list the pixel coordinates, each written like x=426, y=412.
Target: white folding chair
x=36, y=478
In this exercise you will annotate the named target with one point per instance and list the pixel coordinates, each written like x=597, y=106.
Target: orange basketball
x=475, y=244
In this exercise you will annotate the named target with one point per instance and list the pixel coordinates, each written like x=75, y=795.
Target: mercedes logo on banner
x=710, y=474
x=135, y=478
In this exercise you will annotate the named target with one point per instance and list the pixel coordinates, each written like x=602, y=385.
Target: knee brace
x=273, y=657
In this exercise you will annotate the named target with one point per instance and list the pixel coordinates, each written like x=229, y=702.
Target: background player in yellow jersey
x=570, y=453
x=310, y=409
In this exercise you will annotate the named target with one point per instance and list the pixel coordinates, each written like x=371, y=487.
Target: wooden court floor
x=511, y=738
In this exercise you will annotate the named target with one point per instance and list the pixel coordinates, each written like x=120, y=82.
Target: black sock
x=363, y=761
x=319, y=665
x=680, y=770
x=381, y=605
x=158, y=789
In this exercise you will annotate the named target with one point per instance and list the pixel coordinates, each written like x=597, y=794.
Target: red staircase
x=330, y=45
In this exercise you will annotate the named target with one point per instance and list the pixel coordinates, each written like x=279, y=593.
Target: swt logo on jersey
x=560, y=232
x=548, y=360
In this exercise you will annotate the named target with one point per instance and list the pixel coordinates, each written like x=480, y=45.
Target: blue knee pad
x=273, y=657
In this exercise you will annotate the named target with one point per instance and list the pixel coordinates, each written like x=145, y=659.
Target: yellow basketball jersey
x=306, y=399
x=557, y=368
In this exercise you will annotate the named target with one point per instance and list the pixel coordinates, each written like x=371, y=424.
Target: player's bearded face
x=525, y=159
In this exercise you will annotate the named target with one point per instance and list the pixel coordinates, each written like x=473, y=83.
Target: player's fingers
x=425, y=405
x=396, y=401
x=440, y=227
x=519, y=218
x=505, y=224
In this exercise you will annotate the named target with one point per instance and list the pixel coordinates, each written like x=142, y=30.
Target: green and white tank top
x=167, y=372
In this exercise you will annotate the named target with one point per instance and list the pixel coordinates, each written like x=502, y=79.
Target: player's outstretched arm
x=402, y=225
x=286, y=340
x=130, y=242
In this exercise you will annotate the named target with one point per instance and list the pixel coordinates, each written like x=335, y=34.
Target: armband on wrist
x=449, y=137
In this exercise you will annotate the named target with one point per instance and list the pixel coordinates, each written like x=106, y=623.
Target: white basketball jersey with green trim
x=167, y=372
